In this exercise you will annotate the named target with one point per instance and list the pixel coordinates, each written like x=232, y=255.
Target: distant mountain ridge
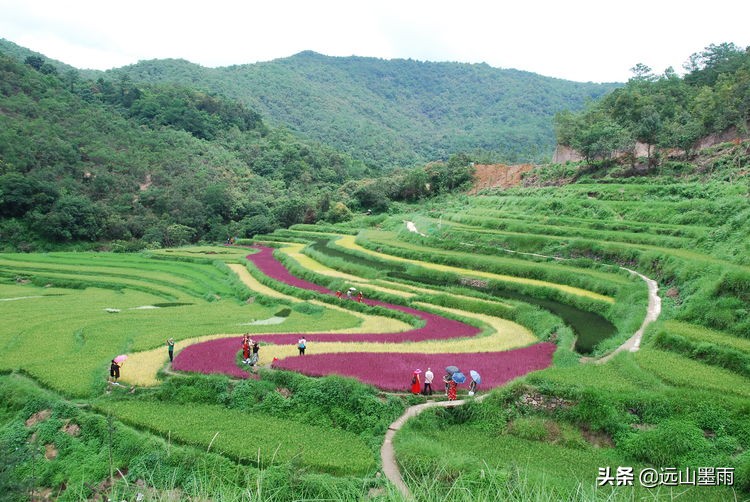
x=392, y=112
x=388, y=113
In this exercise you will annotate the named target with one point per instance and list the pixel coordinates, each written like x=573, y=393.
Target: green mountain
x=392, y=112
x=84, y=160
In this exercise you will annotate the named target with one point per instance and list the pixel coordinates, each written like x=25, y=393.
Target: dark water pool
x=590, y=328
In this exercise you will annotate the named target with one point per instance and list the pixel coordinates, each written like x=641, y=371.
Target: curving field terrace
x=445, y=298
x=348, y=354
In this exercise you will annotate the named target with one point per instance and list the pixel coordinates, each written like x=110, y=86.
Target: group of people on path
x=416, y=385
x=250, y=349
x=451, y=386
x=350, y=295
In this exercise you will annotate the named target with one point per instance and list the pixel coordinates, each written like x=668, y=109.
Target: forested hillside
x=84, y=160
x=395, y=113
x=666, y=111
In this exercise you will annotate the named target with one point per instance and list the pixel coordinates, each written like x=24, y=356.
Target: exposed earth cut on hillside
x=498, y=176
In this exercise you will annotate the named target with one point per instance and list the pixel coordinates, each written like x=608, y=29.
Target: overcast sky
x=581, y=40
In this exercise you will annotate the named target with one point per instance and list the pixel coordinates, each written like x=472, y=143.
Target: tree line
x=665, y=111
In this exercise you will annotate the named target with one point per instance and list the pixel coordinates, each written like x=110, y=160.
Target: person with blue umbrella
x=475, y=379
x=456, y=379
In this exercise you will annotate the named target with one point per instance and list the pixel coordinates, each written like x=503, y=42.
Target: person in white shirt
x=428, y=376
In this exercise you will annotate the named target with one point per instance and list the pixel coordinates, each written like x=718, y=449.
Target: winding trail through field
x=632, y=344
x=653, y=311
x=387, y=452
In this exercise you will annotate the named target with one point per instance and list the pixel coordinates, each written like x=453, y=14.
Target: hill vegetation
x=665, y=111
x=397, y=113
x=90, y=161
x=127, y=165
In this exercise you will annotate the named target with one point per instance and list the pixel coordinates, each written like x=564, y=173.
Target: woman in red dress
x=416, y=386
x=452, y=391
x=246, y=348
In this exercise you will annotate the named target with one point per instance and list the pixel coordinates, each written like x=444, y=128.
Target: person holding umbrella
x=447, y=382
x=114, y=368
x=456, y=379
x=475, y=379
x=452, y=388
x=416, y=386
x=449, y=371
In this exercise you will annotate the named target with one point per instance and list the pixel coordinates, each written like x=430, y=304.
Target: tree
x=452, y=175
x=19, y=194
x=72, y=218
x=601, y=139
x=35, y=62
x=642, y=73
x=648, y=129
x=290, y=211
x=683, y=132
x=705, y=67
x=372, y=195
x=177, y=235
x=338, y=213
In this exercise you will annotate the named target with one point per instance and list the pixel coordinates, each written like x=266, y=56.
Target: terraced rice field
x=478, y=290
x=378, y=353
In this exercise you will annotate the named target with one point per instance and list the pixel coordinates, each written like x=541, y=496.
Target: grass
x=66, y=337
x=253, y=438
x=443, y=455
x=684, y=372
x=349, y=243
x=654, y=407
x=701, y=334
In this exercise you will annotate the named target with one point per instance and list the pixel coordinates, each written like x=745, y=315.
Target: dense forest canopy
x=386, y=113
x=162, y=164
x=165, y=152
x=396, y=113
x=665, y=110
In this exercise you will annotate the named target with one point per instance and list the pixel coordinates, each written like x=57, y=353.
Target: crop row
x=457, y=263
x=393, y=370
x=220, y=355
x=250, y=438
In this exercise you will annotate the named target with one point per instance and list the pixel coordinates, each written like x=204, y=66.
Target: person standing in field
x=256, y=348
x=246, y=348
x=170, y=348
x=360, y=297
x=472, y=387
x=447, y=380
x=428, y=377
x=452, y=387
x=114, y=372
x=302, y=345
x=416, y=386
